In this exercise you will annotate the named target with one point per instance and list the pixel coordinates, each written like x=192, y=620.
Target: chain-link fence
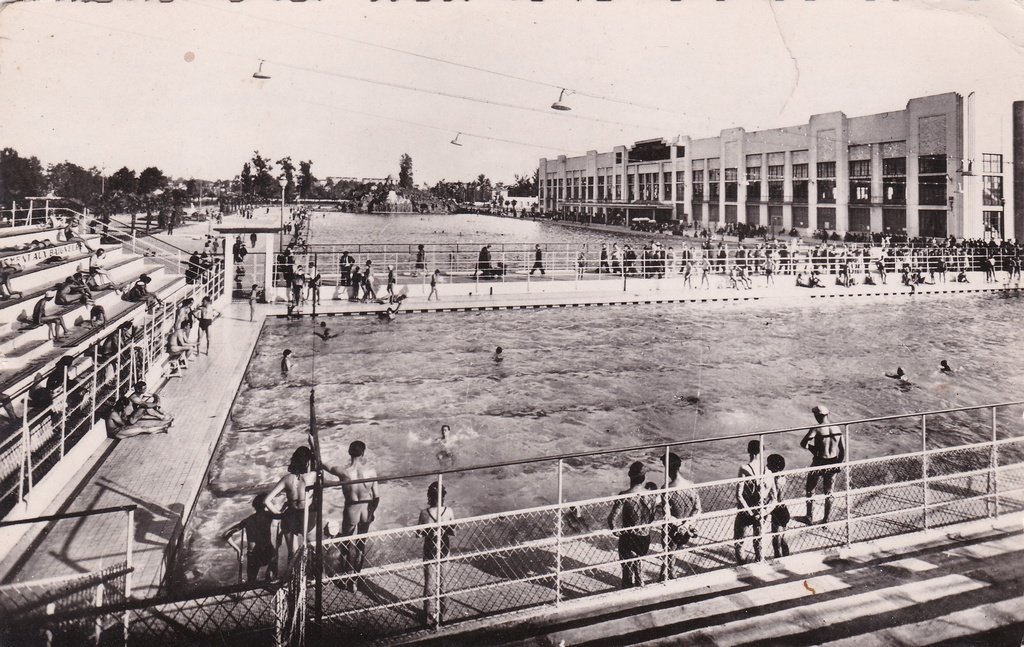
x=378, y=585
x=950, y=467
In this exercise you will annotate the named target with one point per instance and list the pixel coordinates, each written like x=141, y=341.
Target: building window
x=776, y=191
x=931, y=164
x=931, y=181
x=775, y=216
x=753, y=214
x=860, y=219
x=618, y=158
x=590, y=188
x=713, y=212
x=753, y=191
x=714, y=175
x=826, y=182
x=932, y=223
x=894, y=221
x=730, y=213
x=618, y=187
x=992, y=190
x=600, y=188
x=991, y=163
x=753, y=173
x=993, y=221
x=800, y=171
x=630, y=193
x=680, y=185
x=800, y=191
x=894, y=181
x=800, y=217
x=860, y=182
x=826, y=218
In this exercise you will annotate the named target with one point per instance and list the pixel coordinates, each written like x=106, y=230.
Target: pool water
x=583, y=379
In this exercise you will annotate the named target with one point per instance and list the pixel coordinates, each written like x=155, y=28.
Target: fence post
x=437, y=553
x=846, y=461
x=26, y=446
x=64, y=412
x=280, y=610
x=994, y=463
x=759, y=539
x=668, y=559
x=558, y=539
x=97, y=602
x=924, y=467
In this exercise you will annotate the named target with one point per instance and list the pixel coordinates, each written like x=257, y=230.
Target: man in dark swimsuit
x=635, y=533
x=825, y=442
x=361, y=501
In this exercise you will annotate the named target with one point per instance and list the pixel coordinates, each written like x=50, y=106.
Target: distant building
x=924, y=171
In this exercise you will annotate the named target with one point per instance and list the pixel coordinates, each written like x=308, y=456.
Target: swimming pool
x=581, y=379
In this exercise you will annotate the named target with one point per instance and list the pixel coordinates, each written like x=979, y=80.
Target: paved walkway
x=957, y=586
x=162, y=474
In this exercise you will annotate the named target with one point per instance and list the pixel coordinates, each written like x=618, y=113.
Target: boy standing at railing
x=262, y=544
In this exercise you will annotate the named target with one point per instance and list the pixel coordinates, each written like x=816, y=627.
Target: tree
x=123, y=180
x=306, y=180
x=288, y=169
x=525, y=186
x=245, y=179
x=20, y=177
x=264, y=184
x=405, y=172
x=151, y=179
x=69, y=180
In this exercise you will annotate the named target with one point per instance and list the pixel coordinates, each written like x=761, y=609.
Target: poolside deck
x=162, y=474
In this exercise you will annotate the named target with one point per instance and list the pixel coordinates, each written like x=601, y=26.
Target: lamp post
x=280, y=232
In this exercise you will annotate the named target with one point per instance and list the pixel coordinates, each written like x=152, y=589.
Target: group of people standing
x=760, y=495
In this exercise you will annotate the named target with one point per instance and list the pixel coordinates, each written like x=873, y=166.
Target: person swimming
x=944, y=367
x=444, y=454
x=324, y=333
x=899, y=375
x=286, y=361
x=497, y=355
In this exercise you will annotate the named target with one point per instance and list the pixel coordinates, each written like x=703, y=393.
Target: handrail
x=71, y=515
x=663, y=445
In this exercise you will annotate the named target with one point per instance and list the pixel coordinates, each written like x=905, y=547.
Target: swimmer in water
x=899, y=375
x=286, y=361
x=497, y=354
x=324, y=333
x=445, y=431
x=944, y=367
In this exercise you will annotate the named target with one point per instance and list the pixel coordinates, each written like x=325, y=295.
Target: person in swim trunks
x=294, y=485
x=634, y=534
x=361, y=501
x=261, y=543
x=825, y=442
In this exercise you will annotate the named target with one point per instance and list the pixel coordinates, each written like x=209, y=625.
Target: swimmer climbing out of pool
x=389, y=314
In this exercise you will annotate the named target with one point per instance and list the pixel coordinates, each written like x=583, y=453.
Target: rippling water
x=592, y=378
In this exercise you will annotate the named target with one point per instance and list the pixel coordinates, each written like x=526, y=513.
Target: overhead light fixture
x=455, y=142
x=258, y=74
x=558, y=105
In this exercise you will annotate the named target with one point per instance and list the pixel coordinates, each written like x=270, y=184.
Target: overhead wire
x=438, y=59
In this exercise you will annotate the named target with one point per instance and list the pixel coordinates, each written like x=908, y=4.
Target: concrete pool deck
x=513, y=295
x=164, y=474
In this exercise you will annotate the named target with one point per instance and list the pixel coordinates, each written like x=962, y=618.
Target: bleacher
x=37, y=432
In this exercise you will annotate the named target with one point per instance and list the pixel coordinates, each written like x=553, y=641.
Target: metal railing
x=38, y=215
x=952, y=466
x=52, y=421
x=570, y=263
x=395, y=581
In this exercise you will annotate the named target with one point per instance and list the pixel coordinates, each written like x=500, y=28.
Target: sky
x=170, y=84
